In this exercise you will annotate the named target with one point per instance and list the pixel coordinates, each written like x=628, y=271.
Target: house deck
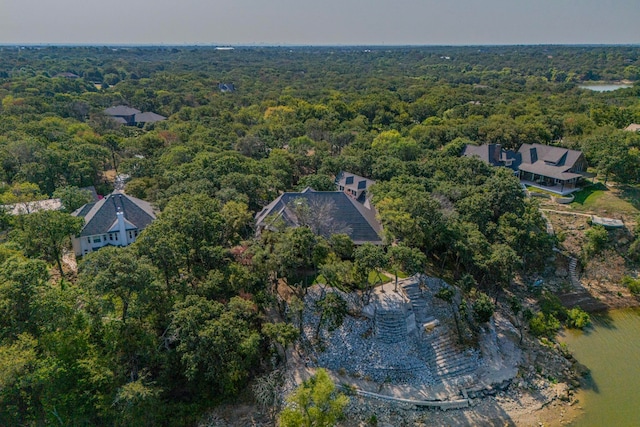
x=558, y=189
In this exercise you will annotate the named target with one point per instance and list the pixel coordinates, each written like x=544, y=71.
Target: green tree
x=483, y=308
x=218, y=344
x=294, y=256
x=72, y=197
x=578, y=318
x=448, y=294
x=22, y=281
x=369, y=258
x=318, y=182
x=404, y=258
x=283, y=334
x=119, y=274
x=315, y=403
x=46, y=234
x=189, y=235
x=332, y=309
x=24, y=195
x=342, y=245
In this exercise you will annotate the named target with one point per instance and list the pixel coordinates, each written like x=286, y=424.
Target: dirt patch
x=600, y=275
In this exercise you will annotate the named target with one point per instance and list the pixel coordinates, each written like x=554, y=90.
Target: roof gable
x=546, y=160
x=100, y=216
x=494, y=155
x=341, y=214
x=148, y=118
x=558, y=155
x=121, y=110
x=351, y=180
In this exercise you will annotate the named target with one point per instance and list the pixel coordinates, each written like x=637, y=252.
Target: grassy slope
x=604, y=201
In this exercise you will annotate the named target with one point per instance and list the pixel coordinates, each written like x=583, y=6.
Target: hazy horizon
x=328, y=23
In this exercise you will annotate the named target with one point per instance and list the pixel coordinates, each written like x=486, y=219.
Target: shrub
x=544, y=325
x=597, y=239
x=577, y=318
x=634, y=250
x=632, y=284
x=551, y=305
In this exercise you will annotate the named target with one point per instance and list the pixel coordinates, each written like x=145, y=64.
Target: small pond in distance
x=611, y=350
x=604, y=87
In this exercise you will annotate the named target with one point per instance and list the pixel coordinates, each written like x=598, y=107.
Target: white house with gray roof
x=116, y=220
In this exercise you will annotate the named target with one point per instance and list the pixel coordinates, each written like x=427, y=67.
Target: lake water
x=611, y=350
x=604, y=87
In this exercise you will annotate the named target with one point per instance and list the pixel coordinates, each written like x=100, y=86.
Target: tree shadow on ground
x=631, y=194
x=583, y=299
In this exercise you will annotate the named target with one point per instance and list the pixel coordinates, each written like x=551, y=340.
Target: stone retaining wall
x=440, y=404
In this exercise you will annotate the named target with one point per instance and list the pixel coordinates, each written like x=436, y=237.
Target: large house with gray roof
x=132, y=116
x=325, y=213
x=116, y=220
x=494, y=155
x=556, y=168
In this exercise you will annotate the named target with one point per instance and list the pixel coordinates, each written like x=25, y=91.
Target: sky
x=320, y=22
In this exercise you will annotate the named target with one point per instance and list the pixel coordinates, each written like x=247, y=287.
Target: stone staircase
x=391, y=326
x=419, y=304
x=579, y=296
x=573, y=265
x=445, y=356
x=438, y=348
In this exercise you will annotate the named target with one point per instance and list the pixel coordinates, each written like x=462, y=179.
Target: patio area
x=558, y=189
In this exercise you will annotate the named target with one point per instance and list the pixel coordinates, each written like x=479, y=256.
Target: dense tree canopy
x=159, y=332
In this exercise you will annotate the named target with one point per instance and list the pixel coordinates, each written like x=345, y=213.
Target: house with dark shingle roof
x=67, y=75
x=123, y=114
x=494, y=155
x=355, y=186
x=327, y=213
x=115, y=220
x=554, y=168
x=142, y=118
x=132, y=116
x=226, y=87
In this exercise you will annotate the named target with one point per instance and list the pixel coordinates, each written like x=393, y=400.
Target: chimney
x=122, y=227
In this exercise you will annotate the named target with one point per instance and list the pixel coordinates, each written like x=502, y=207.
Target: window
x=97, y=239
x=110, y=237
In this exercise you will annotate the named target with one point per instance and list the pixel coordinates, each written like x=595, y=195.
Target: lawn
x=373, y=278
x=603, y=201
x=541, y=191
